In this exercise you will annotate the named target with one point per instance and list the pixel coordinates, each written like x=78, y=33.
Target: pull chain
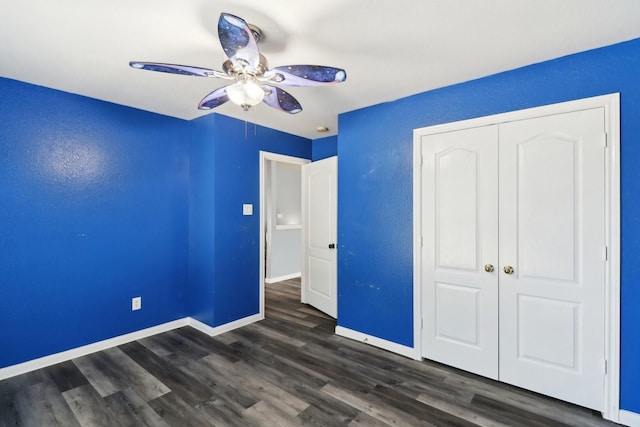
x=255, y=125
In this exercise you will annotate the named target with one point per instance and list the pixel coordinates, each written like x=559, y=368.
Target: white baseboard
x=43, y=362
x=217, y=330
x=629, y=418
x=391, y=346
x=281, y=278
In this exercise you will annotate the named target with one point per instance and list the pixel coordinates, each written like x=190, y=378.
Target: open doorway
x=280, y=219
x=283, y=227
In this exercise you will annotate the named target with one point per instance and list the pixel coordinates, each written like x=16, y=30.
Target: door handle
x=508, y=269
x=332, y=245
x=488, y=268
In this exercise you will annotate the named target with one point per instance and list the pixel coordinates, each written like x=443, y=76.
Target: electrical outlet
x=136, y=303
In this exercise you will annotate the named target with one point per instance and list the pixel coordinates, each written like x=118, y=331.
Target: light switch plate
x=247, y=209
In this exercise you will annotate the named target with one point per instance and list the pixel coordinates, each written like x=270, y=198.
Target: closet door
x=552, y=255
x=459, y=214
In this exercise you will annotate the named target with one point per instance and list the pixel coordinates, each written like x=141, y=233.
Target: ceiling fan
x=254, y=81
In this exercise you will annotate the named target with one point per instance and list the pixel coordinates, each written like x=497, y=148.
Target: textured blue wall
x=202, y=214
x=93, y=211
x=100, y=203
x=237, y=241
x=323, y=148
x=375, y=264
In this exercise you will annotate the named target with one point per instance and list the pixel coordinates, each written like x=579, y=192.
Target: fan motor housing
x=229, y=69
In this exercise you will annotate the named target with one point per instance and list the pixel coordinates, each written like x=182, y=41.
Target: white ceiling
x=389, y=48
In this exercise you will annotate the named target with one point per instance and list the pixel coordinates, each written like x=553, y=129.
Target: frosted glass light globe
x=245, y=92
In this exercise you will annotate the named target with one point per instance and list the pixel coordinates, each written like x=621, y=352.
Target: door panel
x=456, y=309
x=320, y=276
x=456, y=170
x=320, y=205
x=460, y=227
x=552, y=234
x=546, y=182
x=320, y=214
x=550, y=339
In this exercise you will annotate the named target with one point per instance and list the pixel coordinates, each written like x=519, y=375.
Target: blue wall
x=202, y=214
x=93, y=211
x=224, y=245
x=375, y=263
x=323, y=148
x=238, y=236
x=100, y=203
x=224, y=176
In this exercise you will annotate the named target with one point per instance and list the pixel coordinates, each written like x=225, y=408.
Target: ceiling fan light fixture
x=254, y=81
x=245, y=93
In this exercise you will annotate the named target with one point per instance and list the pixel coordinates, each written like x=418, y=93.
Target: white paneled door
x=460, y=211
x=319, y=212
x=552, y=235
x=513, y=259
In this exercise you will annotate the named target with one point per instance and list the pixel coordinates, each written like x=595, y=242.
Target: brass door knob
x=508, y=269
x=488, y=268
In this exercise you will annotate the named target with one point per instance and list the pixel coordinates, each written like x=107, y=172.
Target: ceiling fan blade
x=281, y=100
x=238, y=42
x=184, y=70
x=306, y=75
x=214, y=99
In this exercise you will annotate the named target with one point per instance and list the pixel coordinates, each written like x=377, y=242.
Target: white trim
x=43, y=362
x=391, y=346
x=52, y=359
x=606, y=101
x=217, y=330
x=417, y=247
x=289, y=227
x=266, y=156
x=611, y=105
x=629, y=418
x=281, y=278
x=612, y=296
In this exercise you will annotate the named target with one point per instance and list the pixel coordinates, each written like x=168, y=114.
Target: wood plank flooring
x=287, y=370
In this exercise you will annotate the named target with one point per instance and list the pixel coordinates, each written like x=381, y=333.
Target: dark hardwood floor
x=286, y=370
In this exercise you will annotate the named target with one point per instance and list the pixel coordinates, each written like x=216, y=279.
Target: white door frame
x=266, y=156
x=611, y=105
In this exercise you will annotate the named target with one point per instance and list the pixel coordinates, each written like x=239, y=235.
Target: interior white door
x=460, y=249
x=552, y=235
x=319, y=213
